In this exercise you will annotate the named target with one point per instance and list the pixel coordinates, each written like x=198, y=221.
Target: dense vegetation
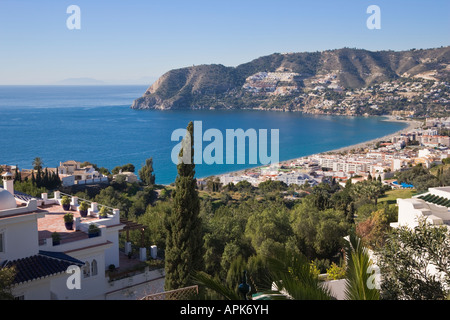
x=242, y=224
x=242, y=227
x=41, y=180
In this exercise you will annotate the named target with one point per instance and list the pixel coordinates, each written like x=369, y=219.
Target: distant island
x=342, y=82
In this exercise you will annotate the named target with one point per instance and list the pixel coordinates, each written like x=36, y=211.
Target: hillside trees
x=419, y=177
x=320, y=233
x=405, y=263
x=129, y=167
x=41, y=181
x=269, y=229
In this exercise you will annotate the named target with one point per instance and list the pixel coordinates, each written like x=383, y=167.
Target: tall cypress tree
x=17, y=175
x=184, y=242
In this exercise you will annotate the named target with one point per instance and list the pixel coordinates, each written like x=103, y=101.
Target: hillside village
x=323, y=94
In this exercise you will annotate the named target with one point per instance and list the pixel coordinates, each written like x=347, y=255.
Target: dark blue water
x=96, y=124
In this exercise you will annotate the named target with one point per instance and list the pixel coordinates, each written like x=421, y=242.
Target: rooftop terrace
x=53, y=221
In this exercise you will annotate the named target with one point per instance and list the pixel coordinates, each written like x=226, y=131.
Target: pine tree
x=184, y=242
x=146, y=173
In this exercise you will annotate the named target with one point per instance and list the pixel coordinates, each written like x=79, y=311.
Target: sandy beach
x=412, y=124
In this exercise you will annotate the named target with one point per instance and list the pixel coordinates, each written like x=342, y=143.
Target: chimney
x=8, y=182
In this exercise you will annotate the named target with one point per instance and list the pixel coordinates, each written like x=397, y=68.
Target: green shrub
x=335, y=272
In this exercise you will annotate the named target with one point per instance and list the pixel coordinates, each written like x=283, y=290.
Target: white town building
x=295, y=178
x=76, y=268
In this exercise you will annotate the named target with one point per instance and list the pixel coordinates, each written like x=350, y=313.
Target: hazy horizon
x=134, y=43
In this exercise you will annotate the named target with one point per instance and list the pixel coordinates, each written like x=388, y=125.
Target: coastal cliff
x=294, y=81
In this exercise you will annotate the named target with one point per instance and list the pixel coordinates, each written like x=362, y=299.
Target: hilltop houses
x=72, y=173
x=78, y=265
x=272, y=83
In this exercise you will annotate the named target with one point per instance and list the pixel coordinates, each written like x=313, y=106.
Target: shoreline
x=412, y=124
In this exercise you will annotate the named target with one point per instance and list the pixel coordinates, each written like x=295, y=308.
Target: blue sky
x=134, y=41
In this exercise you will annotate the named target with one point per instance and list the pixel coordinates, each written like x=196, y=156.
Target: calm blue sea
x=96, y=124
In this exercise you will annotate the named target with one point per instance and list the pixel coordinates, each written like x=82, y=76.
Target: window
x=86, y=270
x=90, y=269
x=94, y=267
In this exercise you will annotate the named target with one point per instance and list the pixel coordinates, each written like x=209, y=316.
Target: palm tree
x=216, y=286
x=37, y=163
x=358, y=280
x=370, y=189
x=295, y=281
x=294, y=278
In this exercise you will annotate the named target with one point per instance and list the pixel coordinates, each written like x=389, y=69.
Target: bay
x=96, y=124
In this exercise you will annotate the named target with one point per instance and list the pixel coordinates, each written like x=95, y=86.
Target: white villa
x=71, y=173
x=130, y=177
x=44, y=267
x=432, y=206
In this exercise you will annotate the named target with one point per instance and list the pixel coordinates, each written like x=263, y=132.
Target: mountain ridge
x=284, y=76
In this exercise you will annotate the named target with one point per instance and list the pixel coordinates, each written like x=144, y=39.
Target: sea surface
x=96, y=124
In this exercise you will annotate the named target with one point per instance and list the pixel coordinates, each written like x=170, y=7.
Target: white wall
x=92, y=287
x=35, y=290
x=21, y=237
x=68, y=181
x=408, y=215
x=112, y=253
